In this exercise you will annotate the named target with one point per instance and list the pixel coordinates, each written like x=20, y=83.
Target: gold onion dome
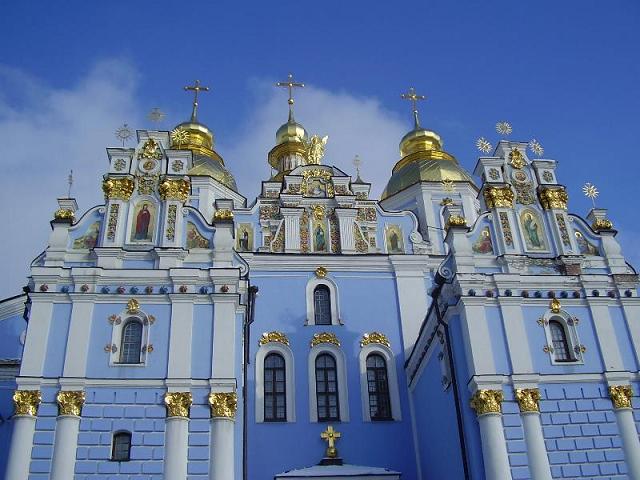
x=291, y=132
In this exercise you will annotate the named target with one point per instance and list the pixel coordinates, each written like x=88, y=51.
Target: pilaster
x=346, y=222
x=621, y=399
x=292, y=229
x=63, y=462
x=75, y=362
x=529, y=403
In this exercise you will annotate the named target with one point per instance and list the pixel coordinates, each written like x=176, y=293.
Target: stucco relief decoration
x=367, y=214
x=554, y=198
x=483, y=244
x=269, y=212
x=506, y=229
x=223, y=404
x=528, y=399
x=516, y=159
x=487, y=401
x=375, y=337
x=304, y=232
x=269, y=337
x=172, y=213
x=177, y=165
x=112, y=223
x=147, y=184
x=277, y=245
x=293, y=188
x=119, y=164
x=89, y=239
x=175, y=189
x=325, y=337
x=564, y=232
x=498, y=197
x=150, y=150
x=117, y=188
x=133, y=306
x=26, y=402
x=523, y=187
x=335, y=233
x=621, y=396
x=547, y=176
x=585, y=246
x=178, y=404
x=321, y=272
x=70, y=402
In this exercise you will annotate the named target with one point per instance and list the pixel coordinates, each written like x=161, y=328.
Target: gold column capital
x=528, y=399
x=498, y=197
x=178, y=189
x=554, y=198
x=26, y=402
x=621, y=396
x=70, y=402
x=487, y=401
x=178, y=404
x=602, y=224
x=117, y=188
x=223, y=404
x=456, y=221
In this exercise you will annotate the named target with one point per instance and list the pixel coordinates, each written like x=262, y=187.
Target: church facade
x=454, y=328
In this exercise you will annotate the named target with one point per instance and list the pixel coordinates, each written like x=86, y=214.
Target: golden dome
x=291, y=132
x=423, y=160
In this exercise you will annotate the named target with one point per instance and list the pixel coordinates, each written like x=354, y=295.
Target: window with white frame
x=563, y=344
x=130, y=338
x=275, y=400
x=131, y=345
x=378, y=384
x=322, y=302
x=327, y=384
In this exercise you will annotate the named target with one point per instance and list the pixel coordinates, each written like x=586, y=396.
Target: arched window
x=561, y=350
x=275, y=392
x=131, y=342
x=327, y=388
x=378, y=386
x=121, y=448
x=322, y=305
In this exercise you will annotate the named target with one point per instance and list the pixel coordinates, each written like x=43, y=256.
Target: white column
x=529, y=403
x=292, y=229
x=222, y=457
x=488, y=407
x=66, y=439
x=621, y=398
x=346, y=222
x=176, y=445
x=24, y=425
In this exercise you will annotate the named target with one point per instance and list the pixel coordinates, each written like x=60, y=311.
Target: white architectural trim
x=287, y=354
x=343, y=401
x=333, y=292
x=392, y=379
x=119, y=322
x=571, y=332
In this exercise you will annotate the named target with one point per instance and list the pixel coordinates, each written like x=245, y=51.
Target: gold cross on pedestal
x=330, y=436
x=195, y=88
x=290, y=84
x=414, y=98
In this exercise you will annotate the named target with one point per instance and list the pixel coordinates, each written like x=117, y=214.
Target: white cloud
x=355, y=125
x=45, y=132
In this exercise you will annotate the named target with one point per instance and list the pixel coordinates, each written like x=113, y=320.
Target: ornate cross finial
x=414, y=98
x=195, y=88
x=330, y=436
x=70, y=182
x=357, y=162
x=290, y=84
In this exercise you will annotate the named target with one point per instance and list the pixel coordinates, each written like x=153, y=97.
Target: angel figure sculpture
x=315, y=149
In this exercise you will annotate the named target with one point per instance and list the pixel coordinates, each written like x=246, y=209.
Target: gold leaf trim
x=117, y=188
x=487, y=401
x=174, y=189
x=70, y=402
x=498, y=197
x=223, y=215
x=554, y=198
x=277, y=337
x=324, y=337
x=621, y=396
x=375, y=337
x=602, y=224
x=528, y=399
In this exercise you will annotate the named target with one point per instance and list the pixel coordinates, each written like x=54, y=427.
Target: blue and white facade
x=453, y=329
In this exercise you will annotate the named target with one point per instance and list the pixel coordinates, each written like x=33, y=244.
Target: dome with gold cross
x=422, y=157
x=198, y=138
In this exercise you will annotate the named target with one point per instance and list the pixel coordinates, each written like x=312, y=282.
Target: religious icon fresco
x=320, y=237
x=532, y=230
x=317, y=188
x=89, y=239
x=394, y=239
x=194, y=238
x=244, y=237
x=585, y=246
x=483, y=243
x=144, y=222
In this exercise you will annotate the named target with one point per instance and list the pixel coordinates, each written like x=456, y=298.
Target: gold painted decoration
x=498, y=197
x=315, y=149
x=317, y=183
x=456, y=221
x=223, y=215
x=178, y=404
x=334, y=232
x=448, y=185
x=174, y=189
x=321, y=272
x=70, y=402
x=304, y=232
x=555, y=306
x=375, y=337
x=63, y=214
x=516, y=160
x=362, y=246
x=446, y=202
x=590, y=191
x=506, y=229
x=564, y=233
x=528, y=399
x=330, y=436
x=621, y=396
x=325, y=337
x=151, y=150
x=133, y=306
x=277, y=337
x=172, y=214
x=147, y=184
x=26, y=402
x=277, y=245
x=118, y=188
x=504, y=128
x=483, y=145
x=223, y=404
x=487, y=401
x=554, y=198
x=318, y=211
x=602, y=224
x=113, y=221
x=536, y=148
x=179, y=136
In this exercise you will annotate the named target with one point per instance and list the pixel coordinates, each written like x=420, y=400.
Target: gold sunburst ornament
x=124, y=133
x=179, y=136
x=536, y=148
x=483, y=145
x=504, y=128
x=590, y=191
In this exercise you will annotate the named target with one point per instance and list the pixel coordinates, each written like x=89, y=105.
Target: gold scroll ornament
x=375, y=337
x=174, y=189
x=117, y=188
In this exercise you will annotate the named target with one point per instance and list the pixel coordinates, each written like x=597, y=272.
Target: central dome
x=291, y=132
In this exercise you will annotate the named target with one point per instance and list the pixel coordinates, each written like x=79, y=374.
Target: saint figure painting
x=143, y=222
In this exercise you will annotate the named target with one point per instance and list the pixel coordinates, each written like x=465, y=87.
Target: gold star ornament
x=590, y=191
x=504, y=128
x=483, y=145
x=536, y=148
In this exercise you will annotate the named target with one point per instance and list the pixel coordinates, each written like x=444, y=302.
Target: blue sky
x=564, y=72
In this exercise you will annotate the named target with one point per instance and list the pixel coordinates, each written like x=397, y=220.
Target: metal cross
x=330, y=436
x=290, y=84
x=195, y=88
x=70, y=182
x=412, y=96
